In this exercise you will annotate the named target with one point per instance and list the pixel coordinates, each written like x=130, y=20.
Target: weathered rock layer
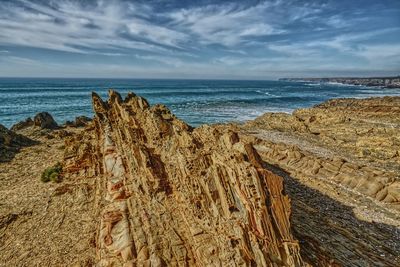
x=341, y=168
x=171, y=195
x=351, y=142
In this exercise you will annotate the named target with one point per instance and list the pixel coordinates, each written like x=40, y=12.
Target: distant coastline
x=385, y=82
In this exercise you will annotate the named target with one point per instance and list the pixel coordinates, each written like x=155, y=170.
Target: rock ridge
x=169, y=194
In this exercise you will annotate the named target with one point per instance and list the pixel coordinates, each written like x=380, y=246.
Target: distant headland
x=386, y=82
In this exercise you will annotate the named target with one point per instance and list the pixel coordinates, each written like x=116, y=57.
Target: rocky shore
x=341, y=163
x=386, y=82
x=139, y=187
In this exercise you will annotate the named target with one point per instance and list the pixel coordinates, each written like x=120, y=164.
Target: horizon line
x=126, y=78
x=205, y=79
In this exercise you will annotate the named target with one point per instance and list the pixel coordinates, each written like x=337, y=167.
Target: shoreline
x=375, y=82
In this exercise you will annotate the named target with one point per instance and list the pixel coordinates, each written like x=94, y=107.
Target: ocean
x=195, y=101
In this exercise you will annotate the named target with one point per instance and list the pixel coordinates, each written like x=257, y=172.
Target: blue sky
x=199, y=39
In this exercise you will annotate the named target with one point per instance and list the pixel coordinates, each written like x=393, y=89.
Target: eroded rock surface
x=352, y=142
x=172, y=195
x=341, y=169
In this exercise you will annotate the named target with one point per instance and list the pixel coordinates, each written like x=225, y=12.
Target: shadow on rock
x=11, y=143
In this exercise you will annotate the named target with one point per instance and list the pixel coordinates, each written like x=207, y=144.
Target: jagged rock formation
x=355, y=143
x=10, y=143
x=171, y=195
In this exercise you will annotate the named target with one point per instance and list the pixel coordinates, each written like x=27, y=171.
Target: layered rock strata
x=341, y=168
x=354, y=143
x=171, y=195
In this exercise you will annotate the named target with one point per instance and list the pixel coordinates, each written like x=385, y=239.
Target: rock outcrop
x=28, y=122
x=387, y=82
x=351, y=142
x=171, y=195
x=80, y=121
x=10, y=143
x=341, y=170
x=43, y=120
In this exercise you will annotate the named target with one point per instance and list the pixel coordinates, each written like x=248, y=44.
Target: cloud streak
x=228, y=25
x=70, y=27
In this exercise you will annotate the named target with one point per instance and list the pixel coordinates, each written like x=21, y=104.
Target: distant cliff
x=387, y=82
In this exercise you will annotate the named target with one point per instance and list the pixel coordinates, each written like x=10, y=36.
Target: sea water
x=195, y=101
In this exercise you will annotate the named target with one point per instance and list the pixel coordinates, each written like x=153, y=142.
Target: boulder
x=82, y=121
x=45, y=121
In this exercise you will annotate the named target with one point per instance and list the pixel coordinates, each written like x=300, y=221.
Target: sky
x=199, y=39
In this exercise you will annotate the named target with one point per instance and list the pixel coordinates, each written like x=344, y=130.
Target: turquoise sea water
x=195, y=101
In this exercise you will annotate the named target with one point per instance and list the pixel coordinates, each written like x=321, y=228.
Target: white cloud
x=71, y=27
x=227, y=24
x=380, y=52
x=20, y=60
x=355, y=45
x=170, y=61
x=156, y=33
